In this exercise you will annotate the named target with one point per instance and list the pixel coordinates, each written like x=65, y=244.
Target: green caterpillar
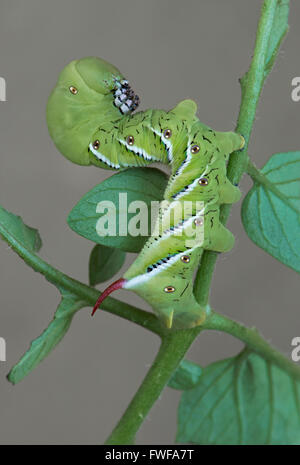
x=90, y=119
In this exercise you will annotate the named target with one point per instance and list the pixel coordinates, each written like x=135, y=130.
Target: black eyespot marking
x=167, y=133
x=203, y=181
x=130, y=140
x=195, y=149
x=96, y=144
x=169, y=289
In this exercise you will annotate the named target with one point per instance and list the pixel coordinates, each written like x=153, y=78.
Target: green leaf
x=14, y=231
x=48, y=340
x=105, y=262
x=140, y=184
x=241, y=400
x=186, y=376
x=271, y=209
x=279, y=30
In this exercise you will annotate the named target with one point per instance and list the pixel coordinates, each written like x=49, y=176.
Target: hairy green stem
x=85, y=293
x=253, y=340
x=172, y=350
x=251, y=86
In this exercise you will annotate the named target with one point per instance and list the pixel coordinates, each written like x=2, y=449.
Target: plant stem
x=172, y=350
x=251, y=85
x=85, y=293
x=253, y=340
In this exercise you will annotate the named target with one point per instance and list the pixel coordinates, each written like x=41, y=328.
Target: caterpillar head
x=88, y=91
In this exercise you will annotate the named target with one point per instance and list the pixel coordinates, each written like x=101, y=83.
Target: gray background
x=170, y=50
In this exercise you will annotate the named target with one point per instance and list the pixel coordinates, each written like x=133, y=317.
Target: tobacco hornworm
x=90, y=119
